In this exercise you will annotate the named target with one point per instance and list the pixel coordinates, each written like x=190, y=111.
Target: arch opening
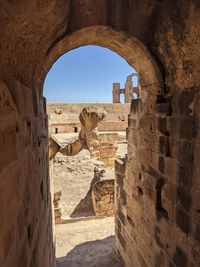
x=80, y=199
x=128, y=47
x=85, y=75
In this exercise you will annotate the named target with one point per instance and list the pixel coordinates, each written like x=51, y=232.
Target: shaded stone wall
x=120, y=207
x=26, y=222
x=158, y=214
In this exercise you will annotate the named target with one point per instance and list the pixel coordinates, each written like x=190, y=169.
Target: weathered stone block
x=182, y=220
x=8, y=145
x=135, y=105
x=148, y=123
x=161, y=164
x=184, y=199
x=164, y=109
x=164, y=147
x=182, y=102
x=180, y=258
x=190, y=131
x=103, y=198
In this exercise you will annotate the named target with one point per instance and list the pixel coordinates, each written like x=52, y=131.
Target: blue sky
x=85, y=74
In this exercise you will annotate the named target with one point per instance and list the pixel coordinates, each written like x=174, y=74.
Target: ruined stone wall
x=64, y=118
x=26, y=237
x=120, y=207
x=73, y=127
x=76, y=108
x=103, y=197
x=108, y=148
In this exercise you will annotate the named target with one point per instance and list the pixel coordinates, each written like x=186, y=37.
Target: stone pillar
x=128, y=89
x=116, y=92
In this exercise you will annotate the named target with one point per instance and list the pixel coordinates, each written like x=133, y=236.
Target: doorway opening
x=149, y=81
x=83, y=176
x=75, y=129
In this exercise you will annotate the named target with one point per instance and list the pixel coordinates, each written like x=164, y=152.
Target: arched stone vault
x=131, y=49
x=158, y=206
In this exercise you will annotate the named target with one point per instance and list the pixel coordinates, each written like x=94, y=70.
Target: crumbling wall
x=115, y=126
x=76, y=175
x=108, y=148
x=64, y=118
x=120, y=207
x=103, y=197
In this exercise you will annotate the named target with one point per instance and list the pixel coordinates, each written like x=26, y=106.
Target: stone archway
x=162, y=193
x=143, y=114
x=130, y=48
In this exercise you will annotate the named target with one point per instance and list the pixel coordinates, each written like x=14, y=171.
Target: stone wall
x=26, y=236
x=120, y=207
x=64, y=118
x=103, y=196
x=108, y=148
x=75, y=127
x=157, y=212
x=111, y=109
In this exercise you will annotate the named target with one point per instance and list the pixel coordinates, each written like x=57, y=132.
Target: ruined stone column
x=116, y=92
x=128, y=89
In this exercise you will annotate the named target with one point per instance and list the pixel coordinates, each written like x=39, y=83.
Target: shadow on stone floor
x=98, y=253
x=85, y=207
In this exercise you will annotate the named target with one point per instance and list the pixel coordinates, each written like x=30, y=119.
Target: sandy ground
x=73, y=176
x=86, y=244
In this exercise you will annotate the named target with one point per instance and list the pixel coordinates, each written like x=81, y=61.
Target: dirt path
x=86, y=244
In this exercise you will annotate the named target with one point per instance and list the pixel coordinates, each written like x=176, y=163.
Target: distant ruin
x=64, y=117
x=103, y=148
x=87, y=137
x=129, y=91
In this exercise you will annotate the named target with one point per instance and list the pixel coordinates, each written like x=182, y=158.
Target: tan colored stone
x=161, y=40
